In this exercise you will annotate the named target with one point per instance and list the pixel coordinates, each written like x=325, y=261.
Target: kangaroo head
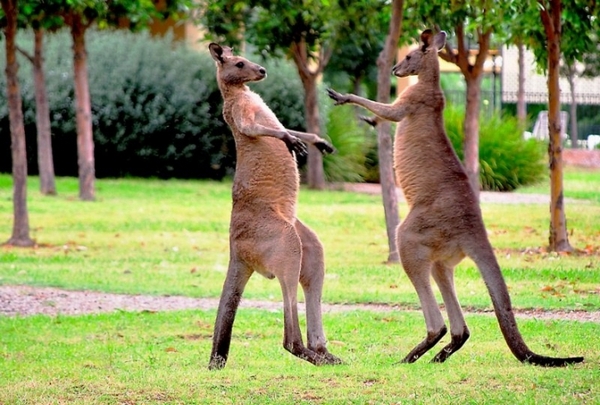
x=420, y=59
x=232, y=69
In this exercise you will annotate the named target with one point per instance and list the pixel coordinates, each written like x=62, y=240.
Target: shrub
x=352, y=141
x=506, y=160
x=156, y=107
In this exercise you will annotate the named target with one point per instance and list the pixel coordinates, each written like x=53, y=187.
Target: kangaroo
x=444, y=223
x=265, y=235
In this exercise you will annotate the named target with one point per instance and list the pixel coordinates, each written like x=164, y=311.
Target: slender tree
x=20, y=233
x=521, y=103
x=79, y=16
x=550, y=14
x=569, y=70
x=384, y=138
x=562, y=30
x=517, y=27
x=40, y=18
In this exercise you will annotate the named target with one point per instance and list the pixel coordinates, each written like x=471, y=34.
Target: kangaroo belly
x=266, y=243
x=266, y=179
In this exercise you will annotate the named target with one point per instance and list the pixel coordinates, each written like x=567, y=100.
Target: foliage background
x=156, y=107
x=157, y=113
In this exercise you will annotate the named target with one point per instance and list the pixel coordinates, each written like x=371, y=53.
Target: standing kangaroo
x=444, y=223
x=264, y=235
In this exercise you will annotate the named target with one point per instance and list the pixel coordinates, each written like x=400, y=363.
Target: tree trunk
x=472, y=72
x=558, y=238
x=42, y=118
x=83, y=112
x=20, y=233
x=315, y=175
x=471, y=129
x=521, y=105
x=573, y=117
x=384, y=139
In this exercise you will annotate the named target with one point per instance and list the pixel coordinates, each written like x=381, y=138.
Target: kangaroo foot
x=329, y=359
x=431, y=340
x=456, y=343
x=313, y=357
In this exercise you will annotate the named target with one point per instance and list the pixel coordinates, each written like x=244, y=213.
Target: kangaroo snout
x=399, y=71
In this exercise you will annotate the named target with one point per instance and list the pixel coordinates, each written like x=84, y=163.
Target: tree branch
x=300, y=56
x=545, y=17
x=484, y=47
x=25, y=53
x=324, y=56
x=462, y=57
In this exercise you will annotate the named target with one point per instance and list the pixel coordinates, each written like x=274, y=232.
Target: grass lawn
x=171, y=237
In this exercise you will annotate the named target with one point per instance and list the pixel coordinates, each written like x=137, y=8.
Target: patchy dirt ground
x=26, y=301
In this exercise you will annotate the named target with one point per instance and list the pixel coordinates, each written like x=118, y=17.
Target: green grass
x=171, y=237
x=162, y=358
x=578, y=183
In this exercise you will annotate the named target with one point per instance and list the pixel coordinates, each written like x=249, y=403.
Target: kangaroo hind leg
x=443, y=274
x=238, y=275
x=312, y=274
x=418, y=270
x=285, y=262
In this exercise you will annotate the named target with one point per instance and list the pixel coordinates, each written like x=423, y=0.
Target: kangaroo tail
x=490, y=270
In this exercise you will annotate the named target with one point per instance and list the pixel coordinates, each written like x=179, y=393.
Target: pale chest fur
x=266, y=176
x=422, y=152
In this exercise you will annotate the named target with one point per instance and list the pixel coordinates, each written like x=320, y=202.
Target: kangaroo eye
x=407, y=57
x=240, y=64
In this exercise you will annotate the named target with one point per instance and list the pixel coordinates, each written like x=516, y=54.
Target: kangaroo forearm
x=305, y=136
x=389, y=112
x=261, y=130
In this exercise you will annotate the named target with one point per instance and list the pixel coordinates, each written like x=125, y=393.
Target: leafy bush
x=156, y=107
x=506, y=160
x=352, y=141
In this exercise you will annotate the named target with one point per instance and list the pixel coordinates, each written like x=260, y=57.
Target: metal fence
x=588, y=107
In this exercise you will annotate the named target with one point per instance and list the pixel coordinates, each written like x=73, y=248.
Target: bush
x=506, y=160
x=156, y=107
x=352, y=140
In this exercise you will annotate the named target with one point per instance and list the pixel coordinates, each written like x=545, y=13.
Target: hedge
x=156, y=107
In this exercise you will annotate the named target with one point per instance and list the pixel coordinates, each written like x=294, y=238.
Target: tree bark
x=315, y=174
x=573, y=108
x=558, y=238
x=83, y=111
x=42, y=118
x=471, y=130
x=472, y=73
x=521, y=105
x=384, y=139
x=20, y=233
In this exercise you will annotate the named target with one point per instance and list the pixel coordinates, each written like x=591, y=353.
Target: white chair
x=540, y=128
x=592, y=141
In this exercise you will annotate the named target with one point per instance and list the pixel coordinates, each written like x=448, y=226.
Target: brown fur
x=265, y=235
x=444, y=223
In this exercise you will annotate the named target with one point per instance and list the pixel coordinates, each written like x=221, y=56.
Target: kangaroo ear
x=216, y=52
x=439, y=41
x=426, y=37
